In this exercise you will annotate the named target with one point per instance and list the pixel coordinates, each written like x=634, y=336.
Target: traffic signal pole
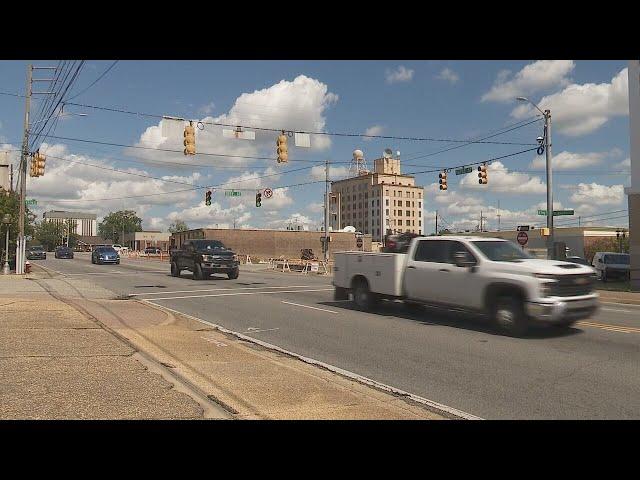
x=326, y=210
x=547, y=148
x=21, y=244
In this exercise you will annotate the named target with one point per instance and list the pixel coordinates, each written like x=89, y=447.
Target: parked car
x=204, y=257
x=36, y=252
x=152, y=251
x=63, y=252
x=489, y=276
x=610, y=265
x=105, y=255
x=578, y=260
x=399, y=243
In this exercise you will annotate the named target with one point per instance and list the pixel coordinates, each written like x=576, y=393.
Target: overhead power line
x=334, y=134
x=95, y=81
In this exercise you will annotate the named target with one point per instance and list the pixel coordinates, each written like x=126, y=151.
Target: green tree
x=10, y=204
x=115, y=223
x=49, y=234
x=178, y=226
x=611, y=244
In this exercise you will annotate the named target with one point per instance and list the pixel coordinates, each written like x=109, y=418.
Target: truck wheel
x=197, y=272
x=175, y=271
x=340, y=293
x=234, y=274
x=508, y=314
x=364, y=298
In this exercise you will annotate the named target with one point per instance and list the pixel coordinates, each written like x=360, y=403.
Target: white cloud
x=582, y=109
x=502, y=181
x=90, y=187
x=296, y=219
x=532, y=78
x=374, y=130
x=569, y=161
x=299, y=104
x=595, y=194
x=400, y=74
x=203, y=216
x=316, y=207
x=335, y=173
x=207, y=109
x=624, y=165
x=448, y=75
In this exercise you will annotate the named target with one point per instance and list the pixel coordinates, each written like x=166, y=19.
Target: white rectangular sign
x=302, y=140
x=241, y=135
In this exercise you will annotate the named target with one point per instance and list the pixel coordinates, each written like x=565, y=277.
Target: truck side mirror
x=462, y=259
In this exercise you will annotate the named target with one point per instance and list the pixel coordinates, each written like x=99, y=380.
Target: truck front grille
x=572, y=286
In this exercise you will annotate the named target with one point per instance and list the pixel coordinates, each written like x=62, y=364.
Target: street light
x=6, y=220
x=547, y=146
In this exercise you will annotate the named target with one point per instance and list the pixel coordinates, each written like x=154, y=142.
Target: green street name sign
x=31, y=201
x=556, y=212
x=463, y=170
x=232, y=193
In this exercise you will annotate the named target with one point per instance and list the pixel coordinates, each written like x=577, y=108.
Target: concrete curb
x=444, y=410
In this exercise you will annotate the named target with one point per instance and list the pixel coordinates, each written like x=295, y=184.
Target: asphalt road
x=591, y=371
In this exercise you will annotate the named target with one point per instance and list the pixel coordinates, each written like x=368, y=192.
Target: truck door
x=460, y=285
x=423, y=275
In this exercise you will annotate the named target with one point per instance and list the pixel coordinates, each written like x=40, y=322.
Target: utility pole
x=21, y=244
x=326, y=211
x=498, y=215
x=481, y=221
x=547, y=149
x=436, y=222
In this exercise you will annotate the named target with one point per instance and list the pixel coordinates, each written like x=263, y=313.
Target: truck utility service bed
x=383, y=271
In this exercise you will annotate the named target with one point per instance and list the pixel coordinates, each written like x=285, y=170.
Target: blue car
x=105, y=255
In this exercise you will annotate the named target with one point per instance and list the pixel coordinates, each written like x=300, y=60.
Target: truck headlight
x=207, y=258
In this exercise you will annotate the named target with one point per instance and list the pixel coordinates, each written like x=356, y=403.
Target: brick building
x=377, y=202
x=273, y=243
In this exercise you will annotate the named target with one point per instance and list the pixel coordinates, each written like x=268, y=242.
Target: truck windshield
x=208, y=245
x=501, y=251
x=617, y=259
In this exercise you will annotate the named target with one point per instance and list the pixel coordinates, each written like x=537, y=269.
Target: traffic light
x=482, y=174
x=258, y=199
x=190, y=139
x=33, y=168
x=443, y=180
x=283, y=153
x=207, y=198
x=40, y=163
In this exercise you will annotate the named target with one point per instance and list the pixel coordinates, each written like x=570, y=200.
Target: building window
x=399, y=213
x=399, y=223
x=387, y=202
x=419, y=204
x=419, y=223
x=408, y=213
x=387, y=211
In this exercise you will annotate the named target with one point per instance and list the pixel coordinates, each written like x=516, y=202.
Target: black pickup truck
x=204, y=257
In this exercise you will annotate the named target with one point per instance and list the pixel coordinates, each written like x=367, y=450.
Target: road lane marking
x=240, y=293
x=258, y=330
x=307, y=306
x=216, y=289
x=439, y=407
x=612, y=328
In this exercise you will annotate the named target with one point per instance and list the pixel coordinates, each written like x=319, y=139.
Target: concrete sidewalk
x=239, y=378
x=57, y=363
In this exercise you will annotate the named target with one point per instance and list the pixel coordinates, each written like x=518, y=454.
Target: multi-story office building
x=378, y=202
x=85, y=223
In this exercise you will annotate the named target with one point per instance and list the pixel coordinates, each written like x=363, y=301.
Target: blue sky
x=435, y=99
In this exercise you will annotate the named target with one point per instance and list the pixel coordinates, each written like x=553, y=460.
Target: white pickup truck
x=490, y=276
